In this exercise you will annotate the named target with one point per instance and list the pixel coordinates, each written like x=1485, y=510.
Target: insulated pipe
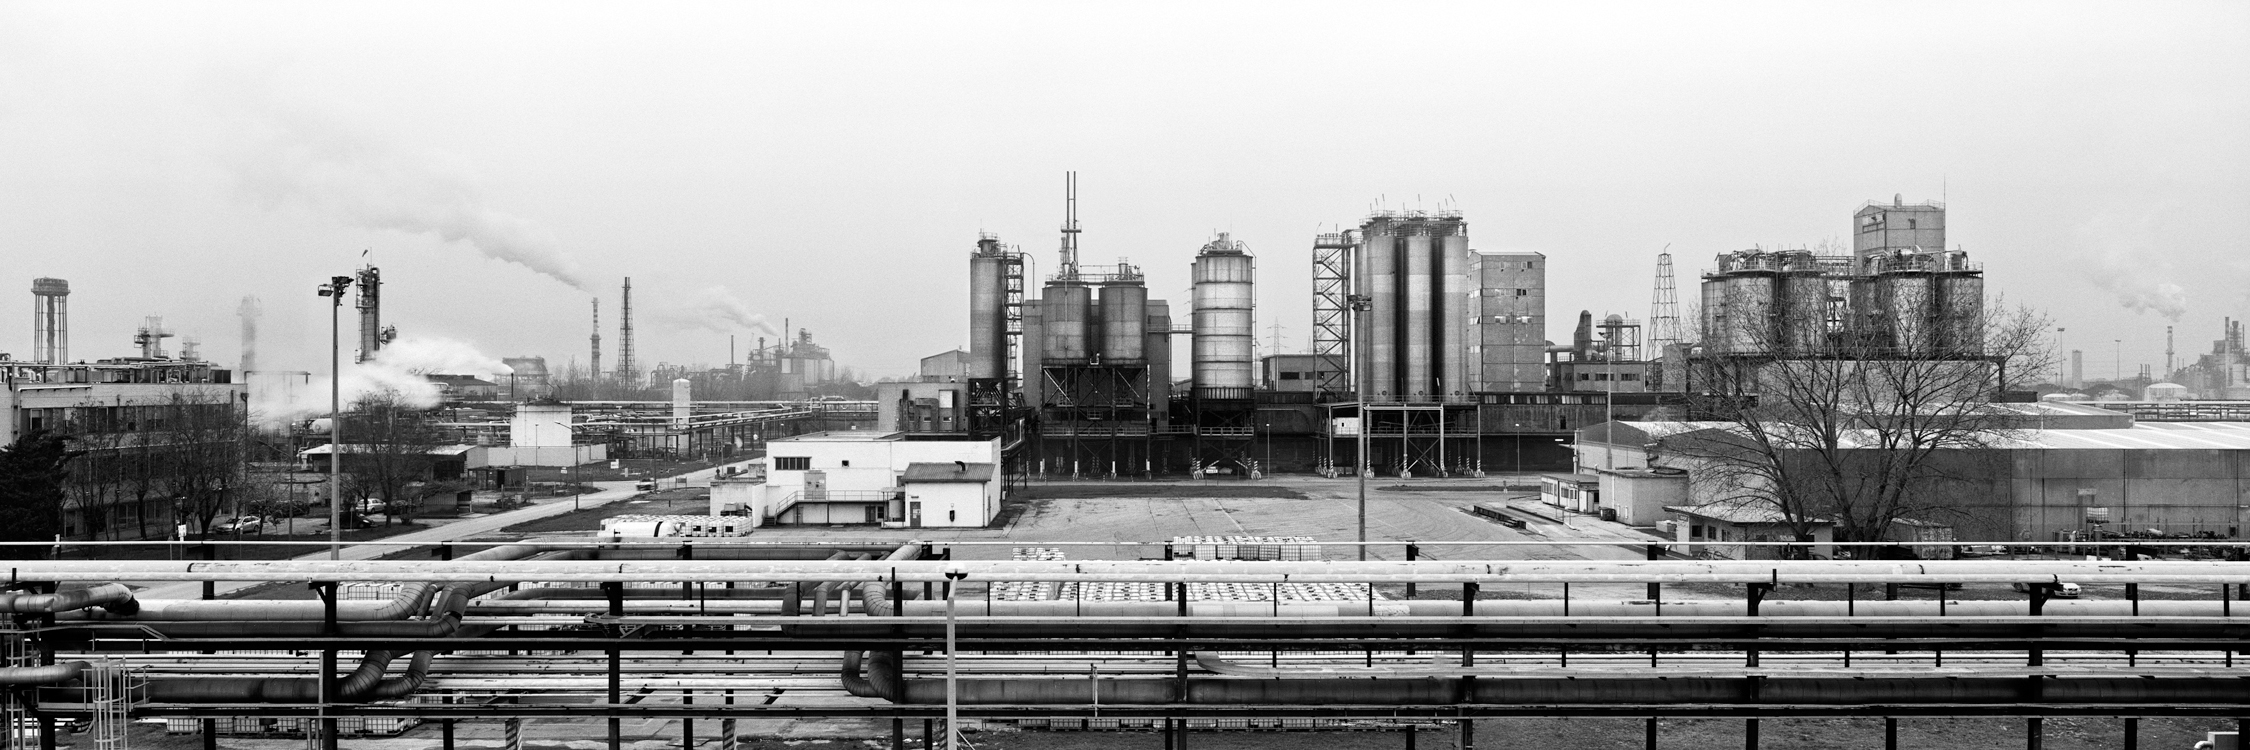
x=1215, y=690
x=1577, y=608
x=115, y=597
x=365, y=683
x=52, y=674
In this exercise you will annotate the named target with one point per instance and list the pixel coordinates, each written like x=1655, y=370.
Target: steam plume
x=2140, y=288
x=398, y=368
x=354, y=178
x=714, y=308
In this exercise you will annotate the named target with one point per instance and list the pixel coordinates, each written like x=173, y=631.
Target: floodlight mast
x=334, y=291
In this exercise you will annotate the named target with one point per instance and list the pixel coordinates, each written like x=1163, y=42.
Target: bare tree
x=202, y=433
x=389, y=443
x=1838, y=404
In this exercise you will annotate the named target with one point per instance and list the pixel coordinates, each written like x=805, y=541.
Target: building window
x=848, y=462
x=792, y=463
x=1523, y=292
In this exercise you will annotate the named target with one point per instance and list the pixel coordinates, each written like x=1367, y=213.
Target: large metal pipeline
x=52, y=674
x=117, y=598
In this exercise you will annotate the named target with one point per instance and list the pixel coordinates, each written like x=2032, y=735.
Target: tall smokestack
x=50, y=320
x=625, y=372
x=594, y=369
x=2168, y=364
x=370, y=306
x=250, y=311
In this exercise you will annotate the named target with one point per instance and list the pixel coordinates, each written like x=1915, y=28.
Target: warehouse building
x=2069, y=471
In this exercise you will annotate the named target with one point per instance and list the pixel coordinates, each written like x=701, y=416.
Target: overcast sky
x=833, y=163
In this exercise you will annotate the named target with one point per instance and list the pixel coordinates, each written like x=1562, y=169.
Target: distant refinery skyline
x=170, y=162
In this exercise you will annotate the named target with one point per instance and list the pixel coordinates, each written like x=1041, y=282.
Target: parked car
x=240, y=525
x=2061, y=590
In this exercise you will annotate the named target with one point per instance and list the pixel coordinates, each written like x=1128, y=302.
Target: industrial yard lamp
x=334, y=291
x=1359, y=304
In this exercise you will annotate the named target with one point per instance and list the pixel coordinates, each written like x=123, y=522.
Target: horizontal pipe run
x=1497, y=572
x=646, y=710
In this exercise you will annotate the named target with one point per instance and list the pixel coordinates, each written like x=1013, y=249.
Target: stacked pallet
x=1242, y=547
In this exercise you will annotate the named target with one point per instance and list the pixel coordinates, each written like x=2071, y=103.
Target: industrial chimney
x=50, y=321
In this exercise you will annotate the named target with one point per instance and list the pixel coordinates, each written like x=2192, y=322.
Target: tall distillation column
x=372, y=337
x=50, y=320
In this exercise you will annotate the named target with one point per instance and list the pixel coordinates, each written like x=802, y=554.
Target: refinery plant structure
x=1437, y=350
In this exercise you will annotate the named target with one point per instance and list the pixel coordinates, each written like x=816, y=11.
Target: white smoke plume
x=399, y=368
x=355, y=178
x=2138, y=286
x=713, y=308
x=2129, y=265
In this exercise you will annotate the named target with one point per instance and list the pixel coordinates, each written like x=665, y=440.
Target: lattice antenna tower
x=1664, y=310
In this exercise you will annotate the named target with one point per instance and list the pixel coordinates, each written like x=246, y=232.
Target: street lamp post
x=334, y=291
x=1359, y=304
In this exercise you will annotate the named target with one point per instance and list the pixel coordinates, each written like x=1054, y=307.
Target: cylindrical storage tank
x=1415, y=349
x=1909, y=301
x=1802, y=324
x=1738, y=312
x=682, y=407
x=1449, y=310
x=988, y=324
x=1064, y=311
x=1225, y=318
x=1962, y=314
x=1378, y=327
x=1124, y=321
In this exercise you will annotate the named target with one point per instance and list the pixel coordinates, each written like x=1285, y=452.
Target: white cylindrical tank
x=1418, y=349
x=682, y=407
x=1449, y=310
x=1124, y=328
x=988, y=299
x=1378, y=281
x=1225, y=316
x=1064, y=310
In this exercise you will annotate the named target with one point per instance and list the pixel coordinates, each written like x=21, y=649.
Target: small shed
x=1741, y=522
x=949, y=494
x=1579, y=493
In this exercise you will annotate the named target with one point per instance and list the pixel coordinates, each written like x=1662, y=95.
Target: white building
x=887, y=478
x=540, y=434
